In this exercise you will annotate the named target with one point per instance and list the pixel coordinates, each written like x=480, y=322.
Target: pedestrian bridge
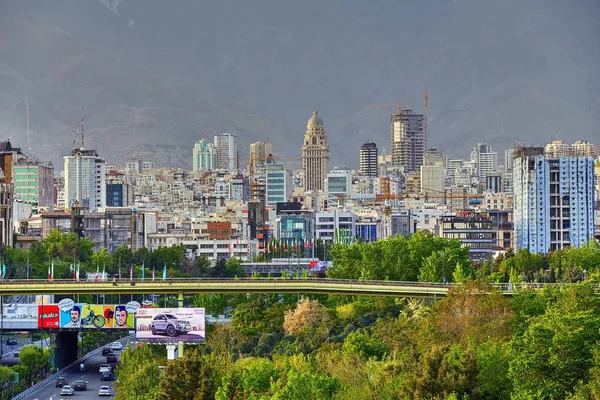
x=243, y=285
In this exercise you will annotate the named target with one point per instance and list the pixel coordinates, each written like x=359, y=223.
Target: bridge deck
x=246, y=285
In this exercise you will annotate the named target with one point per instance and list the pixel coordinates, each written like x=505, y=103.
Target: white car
x=116, y=346
x=67, y=390
x=104, y=391
x=105, y=368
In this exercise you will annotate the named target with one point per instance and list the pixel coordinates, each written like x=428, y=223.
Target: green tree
x=555, y=352
x=35, y=360
x=365, y=346
x=190, y=377
x=139, y=375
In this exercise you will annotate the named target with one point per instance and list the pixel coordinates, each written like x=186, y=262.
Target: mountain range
x=155, y=76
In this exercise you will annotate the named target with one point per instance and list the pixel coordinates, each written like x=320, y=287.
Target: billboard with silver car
x=170, y=325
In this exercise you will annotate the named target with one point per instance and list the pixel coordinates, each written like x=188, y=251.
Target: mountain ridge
x=154, y=78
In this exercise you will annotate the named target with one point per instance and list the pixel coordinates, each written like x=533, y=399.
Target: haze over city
x=321, y=200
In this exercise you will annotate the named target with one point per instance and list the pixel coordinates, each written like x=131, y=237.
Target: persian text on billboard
x=170, y=325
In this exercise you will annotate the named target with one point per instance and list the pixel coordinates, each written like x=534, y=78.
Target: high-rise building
x=339, y=185
x=484, y=159
x=432, y=181
x=368, y=160
x=6, y=213
x=227, y=150
x=85, y=180
x=278, y=183
x=34, y=182
x=557, y=148
x=553, y=203
x=580, y=148
x=205, y=156
x=315, y=154
x=119, y=192
x=509, y=155
x=239, y=189
x=409, y=140
x=433, y=157
x=259, y=152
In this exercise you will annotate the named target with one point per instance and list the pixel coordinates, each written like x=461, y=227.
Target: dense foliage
x=474, y=344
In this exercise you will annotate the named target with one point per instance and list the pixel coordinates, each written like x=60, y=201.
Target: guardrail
x=245, y=285
x=69, y=367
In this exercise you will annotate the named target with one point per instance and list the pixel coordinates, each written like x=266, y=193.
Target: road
x=92, y=364
x=8, y=351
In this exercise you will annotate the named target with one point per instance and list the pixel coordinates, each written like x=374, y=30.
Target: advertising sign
x=70, y=314
x=170, y=325
x=48, y=316
x=67, y=314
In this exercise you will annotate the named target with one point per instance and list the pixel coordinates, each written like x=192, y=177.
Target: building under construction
x=409, y=139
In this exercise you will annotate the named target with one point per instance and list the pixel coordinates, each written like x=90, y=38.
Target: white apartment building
x=335, y=226
x=485, y=159
x=227, y=150
x=339, y=185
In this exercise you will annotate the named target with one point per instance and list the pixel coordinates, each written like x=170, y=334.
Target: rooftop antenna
x=73, y=135
x=82, y=138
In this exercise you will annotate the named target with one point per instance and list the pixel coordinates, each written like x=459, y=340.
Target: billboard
x=48, y=316
x=67, y=314
x=169, y=325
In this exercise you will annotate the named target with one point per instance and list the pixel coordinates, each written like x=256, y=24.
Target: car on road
x=67, y=390
x=106, y=351
x=61, y=381
x=111, y=358
x=104, y=391
x=105, y=368
x=170, y=325
x=11, y=341
x=107, y=376
x=116, y=346
x=80, y=385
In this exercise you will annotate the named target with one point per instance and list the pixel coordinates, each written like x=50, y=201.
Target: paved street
x=91, y=375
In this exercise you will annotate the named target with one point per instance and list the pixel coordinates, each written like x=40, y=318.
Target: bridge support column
x=66, y=348
x=180, y=343
x=171, y=352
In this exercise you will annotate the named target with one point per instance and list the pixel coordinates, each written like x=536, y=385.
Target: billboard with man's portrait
x=170, y=325
x=66, y=314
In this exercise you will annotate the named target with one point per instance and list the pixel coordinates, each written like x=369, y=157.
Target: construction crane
x=398, y=106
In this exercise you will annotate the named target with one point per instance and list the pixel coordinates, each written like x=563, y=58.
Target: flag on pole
x=51, y=272
x=3, y=271
x=104, y=272
x=143, y=270
x=130, y=272
x=73, y=270
x=152, y=274
x=97, y=271
x=77, y=272
x=164, y=276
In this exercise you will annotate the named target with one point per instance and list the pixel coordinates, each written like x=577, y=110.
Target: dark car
x=111, y=358
x=61, y=381
x=107, y=376
x=80, y=385
x=106, y=351
x=11, y=341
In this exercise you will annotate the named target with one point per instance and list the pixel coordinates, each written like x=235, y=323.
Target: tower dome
x=315, y=120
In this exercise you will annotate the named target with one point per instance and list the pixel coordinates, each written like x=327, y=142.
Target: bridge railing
x=504, y=287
